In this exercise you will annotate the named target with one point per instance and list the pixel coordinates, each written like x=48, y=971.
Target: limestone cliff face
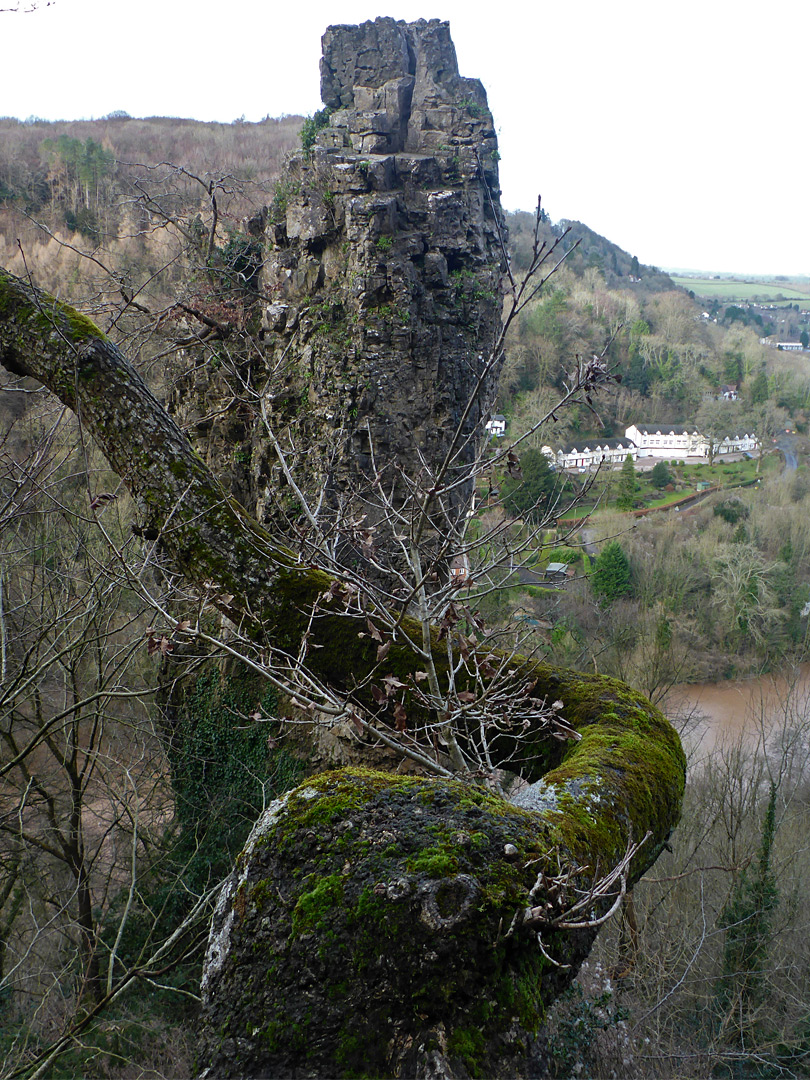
x=381, y=273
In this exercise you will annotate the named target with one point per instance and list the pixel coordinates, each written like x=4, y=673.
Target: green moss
x=435, y=862
x=259, y=895
x=10, y=298
x=178, y=469
x=469, y=1044
x=281, y=1033
x=14, y=298
x=371, y=878
x=349, y=1051
x=315, y=907
x=81, y=327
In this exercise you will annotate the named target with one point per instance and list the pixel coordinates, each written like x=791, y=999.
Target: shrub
x=311, y=126
x=660, y=475
x=529, y=497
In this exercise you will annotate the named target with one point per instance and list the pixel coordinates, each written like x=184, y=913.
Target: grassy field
x=722, y=474
x=729, y=289
x=577, y=512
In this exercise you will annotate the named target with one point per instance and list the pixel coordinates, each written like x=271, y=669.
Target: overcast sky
x=677, y=130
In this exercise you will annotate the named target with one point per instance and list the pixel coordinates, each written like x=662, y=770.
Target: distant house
x=667, y=440
x=741, y=443
x=496, y=426
x=728, y=392
x=459, y=568
x=679, y=441
x=648, y=441
x=591, y=452
x=784, y=346
x=556, y=571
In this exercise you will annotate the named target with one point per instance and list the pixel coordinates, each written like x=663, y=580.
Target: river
x=715, y=715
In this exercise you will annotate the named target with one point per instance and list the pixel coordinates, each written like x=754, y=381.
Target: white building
x=589, y=453
x=741, y=443
x=783, y=346
x=678, y=441
x=496, y=426
x=668, y=440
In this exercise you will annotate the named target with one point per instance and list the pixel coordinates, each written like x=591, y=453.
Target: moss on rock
x=374, y=922
x=370, y=913
x=48, y=313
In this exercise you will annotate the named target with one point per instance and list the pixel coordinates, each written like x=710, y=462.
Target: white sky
x=676, y=129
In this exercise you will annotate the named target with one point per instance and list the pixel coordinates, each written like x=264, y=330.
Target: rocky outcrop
x=376, y=924
x=394, y=87
x=381, y=278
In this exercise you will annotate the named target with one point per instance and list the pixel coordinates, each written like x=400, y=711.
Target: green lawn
x=577, y=512
x=729, y=289
x=669, y=497
x=727, y=472
x=721, y=474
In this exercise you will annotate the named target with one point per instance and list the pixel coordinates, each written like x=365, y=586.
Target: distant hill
x=75, y=175
x=619, y=267
x=614, y=262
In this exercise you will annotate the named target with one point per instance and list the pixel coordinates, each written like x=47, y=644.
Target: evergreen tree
x=626, y=497
x=746, y=919
x=529, y=497
x=660, y=475
x=759, y=388
x=610, y=578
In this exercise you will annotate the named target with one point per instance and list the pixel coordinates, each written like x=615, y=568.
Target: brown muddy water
x=712, y=716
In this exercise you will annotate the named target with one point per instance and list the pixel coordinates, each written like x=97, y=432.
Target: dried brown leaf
x=393, y=682
x=400, y=716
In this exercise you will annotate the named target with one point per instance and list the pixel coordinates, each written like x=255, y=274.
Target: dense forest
x=116, y=830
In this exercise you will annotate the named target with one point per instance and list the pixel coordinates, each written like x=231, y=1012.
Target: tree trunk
x=621, y=782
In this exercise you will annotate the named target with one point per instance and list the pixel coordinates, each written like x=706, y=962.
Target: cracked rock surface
x=380, y=282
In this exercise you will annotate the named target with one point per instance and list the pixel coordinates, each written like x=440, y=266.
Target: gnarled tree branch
x=622, y=779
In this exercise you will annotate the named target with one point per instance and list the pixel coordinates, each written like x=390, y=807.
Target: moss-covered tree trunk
x=621, y=782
